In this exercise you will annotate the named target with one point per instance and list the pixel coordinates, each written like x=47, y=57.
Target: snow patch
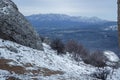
x=111, y=56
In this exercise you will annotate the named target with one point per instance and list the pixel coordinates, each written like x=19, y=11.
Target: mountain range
x=94, y=33
x=62, y=21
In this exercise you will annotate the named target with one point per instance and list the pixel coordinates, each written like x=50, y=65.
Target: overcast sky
x=105, y=9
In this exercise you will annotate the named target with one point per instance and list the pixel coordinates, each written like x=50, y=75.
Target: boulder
x=112, y=59
x=15, y=27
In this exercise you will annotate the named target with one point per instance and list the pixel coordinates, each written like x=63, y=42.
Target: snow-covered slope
x=28, y=64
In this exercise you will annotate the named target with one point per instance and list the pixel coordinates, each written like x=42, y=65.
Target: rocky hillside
x=14, y=26
x=18, y=62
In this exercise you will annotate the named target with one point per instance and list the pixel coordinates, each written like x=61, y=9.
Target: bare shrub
x=96, y=59
x=78, y=52
x=76, y=49
x=58, y=45
x=42, y=38
x=71, y=46
x=46, y=40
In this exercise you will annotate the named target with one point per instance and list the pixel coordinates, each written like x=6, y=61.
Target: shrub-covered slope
x=17, y=61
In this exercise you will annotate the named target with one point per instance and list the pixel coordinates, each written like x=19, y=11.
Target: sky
x=105, y=9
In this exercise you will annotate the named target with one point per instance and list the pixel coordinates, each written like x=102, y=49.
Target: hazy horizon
x=104, y=9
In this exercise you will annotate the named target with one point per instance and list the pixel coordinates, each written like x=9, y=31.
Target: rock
x=112, y=58
x=12, y=49
x=15, y=27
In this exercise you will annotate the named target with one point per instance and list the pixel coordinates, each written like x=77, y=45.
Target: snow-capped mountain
x=20, y=62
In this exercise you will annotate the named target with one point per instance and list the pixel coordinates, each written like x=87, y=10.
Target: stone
x=15, y=27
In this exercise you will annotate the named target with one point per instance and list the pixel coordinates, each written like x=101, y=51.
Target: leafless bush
x=58, y=45
x=76, y=49
x=42, y=38
x=71, y=46
x=96, y=59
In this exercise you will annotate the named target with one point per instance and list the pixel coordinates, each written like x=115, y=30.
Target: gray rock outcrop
x=14, y=26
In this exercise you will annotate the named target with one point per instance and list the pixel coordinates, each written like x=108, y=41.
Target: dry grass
x=21, y=70
x=5, y=66
x=28, y=65
x=45, y=72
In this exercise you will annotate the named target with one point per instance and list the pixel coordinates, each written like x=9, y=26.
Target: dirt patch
x=45, y=72
x=4, y=61
x=5, y=66
x=22, y=70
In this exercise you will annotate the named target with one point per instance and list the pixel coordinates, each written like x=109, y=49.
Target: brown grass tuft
x=21, y=70
x=5, y=66
x=45, y=72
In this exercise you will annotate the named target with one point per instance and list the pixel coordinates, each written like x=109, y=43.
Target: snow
x=45, y=59
x=115, y=75
x=4, y=10
x=111, y=56
x=49, y=59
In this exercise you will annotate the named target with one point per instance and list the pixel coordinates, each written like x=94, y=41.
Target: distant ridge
x=66, y=21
